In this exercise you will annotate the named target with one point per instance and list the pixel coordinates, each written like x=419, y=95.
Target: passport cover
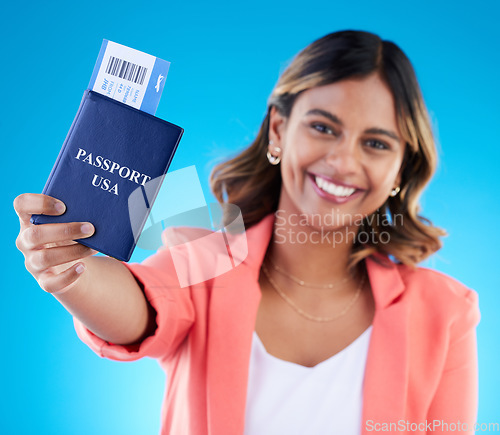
x=109, y=171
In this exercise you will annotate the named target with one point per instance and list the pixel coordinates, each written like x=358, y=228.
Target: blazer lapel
x=233, y=310
x=386, y=374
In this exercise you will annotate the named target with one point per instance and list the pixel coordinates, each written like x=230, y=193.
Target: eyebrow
x=336, y=120
x=327, y=115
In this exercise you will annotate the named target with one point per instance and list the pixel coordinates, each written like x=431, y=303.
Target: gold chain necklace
x=303, y=283
x=307, y=315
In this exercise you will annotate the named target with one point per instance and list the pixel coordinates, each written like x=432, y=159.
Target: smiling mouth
x=332, y=188
x=336, y=193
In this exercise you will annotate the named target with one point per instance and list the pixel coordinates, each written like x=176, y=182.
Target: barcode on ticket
x=126, y=70
x=129, y=76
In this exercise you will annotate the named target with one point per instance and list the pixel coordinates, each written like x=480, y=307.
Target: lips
x=333, y=190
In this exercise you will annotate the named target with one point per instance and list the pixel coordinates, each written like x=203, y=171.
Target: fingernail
x=79, y=269
x=60, y=207
x=87, y=229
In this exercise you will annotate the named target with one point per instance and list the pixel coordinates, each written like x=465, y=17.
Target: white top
x=287, y=398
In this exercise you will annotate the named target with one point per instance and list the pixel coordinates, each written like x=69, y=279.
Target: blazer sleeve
x=456, y=398
x=173, y=306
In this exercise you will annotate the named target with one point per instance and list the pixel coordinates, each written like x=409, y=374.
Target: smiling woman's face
x=341, y=149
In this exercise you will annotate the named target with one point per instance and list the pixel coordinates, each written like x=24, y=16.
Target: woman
x=327, y=326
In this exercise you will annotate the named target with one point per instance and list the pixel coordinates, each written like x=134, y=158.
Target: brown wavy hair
x=250, y=182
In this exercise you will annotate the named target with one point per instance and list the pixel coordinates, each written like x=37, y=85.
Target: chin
x=329, y=219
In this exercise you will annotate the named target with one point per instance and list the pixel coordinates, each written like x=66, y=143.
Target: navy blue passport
x=109, y=171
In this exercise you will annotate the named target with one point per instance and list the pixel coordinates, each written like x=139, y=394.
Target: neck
x=316, y=254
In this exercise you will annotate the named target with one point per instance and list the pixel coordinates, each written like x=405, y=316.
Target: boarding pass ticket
x=129, y=76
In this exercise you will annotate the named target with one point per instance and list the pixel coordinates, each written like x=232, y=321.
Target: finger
x=42, y=259
x=61, y=282
x=65, y=243
x=28, y=204
x=37, y=236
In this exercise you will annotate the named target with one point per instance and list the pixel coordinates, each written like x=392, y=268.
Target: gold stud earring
x=395, y=191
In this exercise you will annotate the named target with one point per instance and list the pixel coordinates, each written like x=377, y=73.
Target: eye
x=322, y=128
x=376, y=144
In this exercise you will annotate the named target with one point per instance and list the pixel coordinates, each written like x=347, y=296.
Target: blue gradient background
x=225, y=60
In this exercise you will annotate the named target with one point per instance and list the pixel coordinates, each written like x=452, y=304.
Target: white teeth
x=333, y=189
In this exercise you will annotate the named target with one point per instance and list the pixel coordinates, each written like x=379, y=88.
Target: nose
x=344, y=156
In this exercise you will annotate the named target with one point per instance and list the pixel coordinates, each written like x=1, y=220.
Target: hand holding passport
x=112, y=149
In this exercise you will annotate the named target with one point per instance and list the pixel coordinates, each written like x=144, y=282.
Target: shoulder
x=443, y=297
x=436, y=284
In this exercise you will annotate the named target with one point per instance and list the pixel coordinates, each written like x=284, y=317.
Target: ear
x=404, y=163
x=397, y=183
x=277, y=124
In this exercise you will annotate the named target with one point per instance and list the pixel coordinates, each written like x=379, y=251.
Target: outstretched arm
x=100, y=291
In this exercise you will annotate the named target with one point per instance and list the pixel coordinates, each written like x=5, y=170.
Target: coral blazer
x=421, y=368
